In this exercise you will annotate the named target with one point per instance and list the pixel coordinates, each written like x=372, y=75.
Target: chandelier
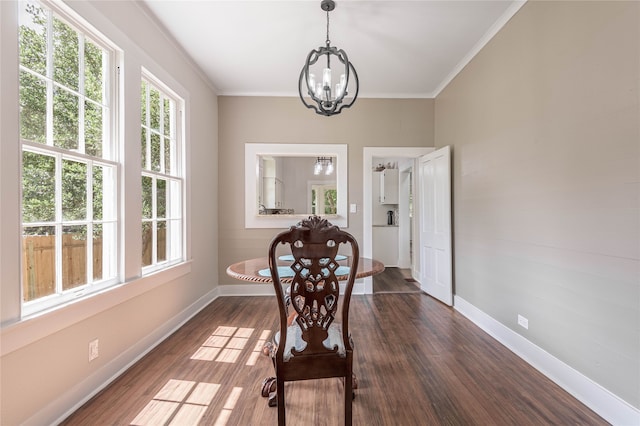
x=323, y=163
x=315, y=85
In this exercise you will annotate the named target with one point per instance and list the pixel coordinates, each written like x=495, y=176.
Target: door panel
x=435, y=225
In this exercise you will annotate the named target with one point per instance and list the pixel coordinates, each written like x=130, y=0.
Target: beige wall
x=544, y=125
x=46, y=372
x=371, y=122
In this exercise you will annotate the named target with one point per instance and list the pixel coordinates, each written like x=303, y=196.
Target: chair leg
x=280, y=399
x=348, y=400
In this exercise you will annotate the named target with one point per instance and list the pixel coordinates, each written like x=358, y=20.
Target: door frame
x=369, y=153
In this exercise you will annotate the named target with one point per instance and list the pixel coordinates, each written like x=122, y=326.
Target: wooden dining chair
x=315, y=343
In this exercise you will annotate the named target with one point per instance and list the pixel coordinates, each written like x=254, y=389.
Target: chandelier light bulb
x=326, y=78
x=329, y=169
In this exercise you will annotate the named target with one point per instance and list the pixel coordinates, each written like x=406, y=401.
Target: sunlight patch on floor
x=224, y=345
x=180, y=402
x=229, y=405
x=257, y=350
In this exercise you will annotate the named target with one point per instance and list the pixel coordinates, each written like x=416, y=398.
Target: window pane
x=143, y=148
x=155, y=152
x=162, y=241
x=98, y=193
x=147, y=197
x=174, y=235
x=330, y=201
x=108, y=244
x=105, y=193
x=65, y=119
x=167, y=155
x=143, y=102
x=147, y=240
x=97, y=252
x=93, y=129
x=175, y=199
x=38, y=187
x=33, y=37
x=161, y=196
x=93, y=79
x=74, y=256
x=38, y=262
x=65, y=54
x=154, y=106
x=33, y=108
x=167, y=104
x=74, y=190
x=314, y=200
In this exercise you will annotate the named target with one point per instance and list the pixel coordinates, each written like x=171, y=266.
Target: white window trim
x=112, y=102
x=180, y=176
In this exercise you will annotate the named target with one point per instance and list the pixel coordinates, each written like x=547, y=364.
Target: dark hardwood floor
x=418, y=362
x=395, y=280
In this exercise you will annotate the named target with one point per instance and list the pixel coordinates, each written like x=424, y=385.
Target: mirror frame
x=252, y=152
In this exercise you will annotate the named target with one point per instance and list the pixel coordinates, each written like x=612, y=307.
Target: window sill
x=37, y=326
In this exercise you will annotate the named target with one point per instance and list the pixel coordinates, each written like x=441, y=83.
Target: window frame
x=175, y=212
x=109, y=159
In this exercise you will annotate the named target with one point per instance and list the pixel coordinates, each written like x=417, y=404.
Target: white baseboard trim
x=76, y=396
x=607, y=405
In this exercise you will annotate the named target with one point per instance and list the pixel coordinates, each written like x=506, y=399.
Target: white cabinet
x=385, y=244
x=389, y=186
x=272, y=188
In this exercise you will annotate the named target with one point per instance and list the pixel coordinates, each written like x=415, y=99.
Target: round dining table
x=254, y=270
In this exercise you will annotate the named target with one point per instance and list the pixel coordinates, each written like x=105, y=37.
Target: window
x=324, y=199
x=162, y=176
x=69, y=168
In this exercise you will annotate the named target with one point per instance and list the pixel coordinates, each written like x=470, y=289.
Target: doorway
x=408, y=157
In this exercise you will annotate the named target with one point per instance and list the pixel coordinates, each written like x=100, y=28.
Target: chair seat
x=294, y=340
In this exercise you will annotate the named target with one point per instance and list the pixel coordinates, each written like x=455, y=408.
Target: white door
x=434, y=186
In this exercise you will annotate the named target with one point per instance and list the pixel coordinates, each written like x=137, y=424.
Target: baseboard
x=607, y=405
x=88, y=388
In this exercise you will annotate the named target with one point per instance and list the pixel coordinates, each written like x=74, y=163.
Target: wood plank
x=418, y=362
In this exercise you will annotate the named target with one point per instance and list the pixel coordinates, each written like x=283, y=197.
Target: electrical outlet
x=353, y=208
x=523, y=322
x=93, y=350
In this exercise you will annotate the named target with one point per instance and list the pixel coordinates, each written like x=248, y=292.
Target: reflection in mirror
x=287, y=182
x=292, y=185
x=324, y=198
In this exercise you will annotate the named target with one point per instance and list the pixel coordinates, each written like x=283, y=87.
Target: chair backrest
x=314, y=291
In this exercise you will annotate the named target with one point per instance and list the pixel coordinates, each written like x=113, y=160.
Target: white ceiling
x=400, y=49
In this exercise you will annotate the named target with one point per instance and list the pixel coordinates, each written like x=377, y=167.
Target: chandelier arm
x=310, y=106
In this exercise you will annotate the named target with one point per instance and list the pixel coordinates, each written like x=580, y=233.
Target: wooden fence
x=38, y=261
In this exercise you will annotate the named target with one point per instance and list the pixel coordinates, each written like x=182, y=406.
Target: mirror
x=285, y=183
